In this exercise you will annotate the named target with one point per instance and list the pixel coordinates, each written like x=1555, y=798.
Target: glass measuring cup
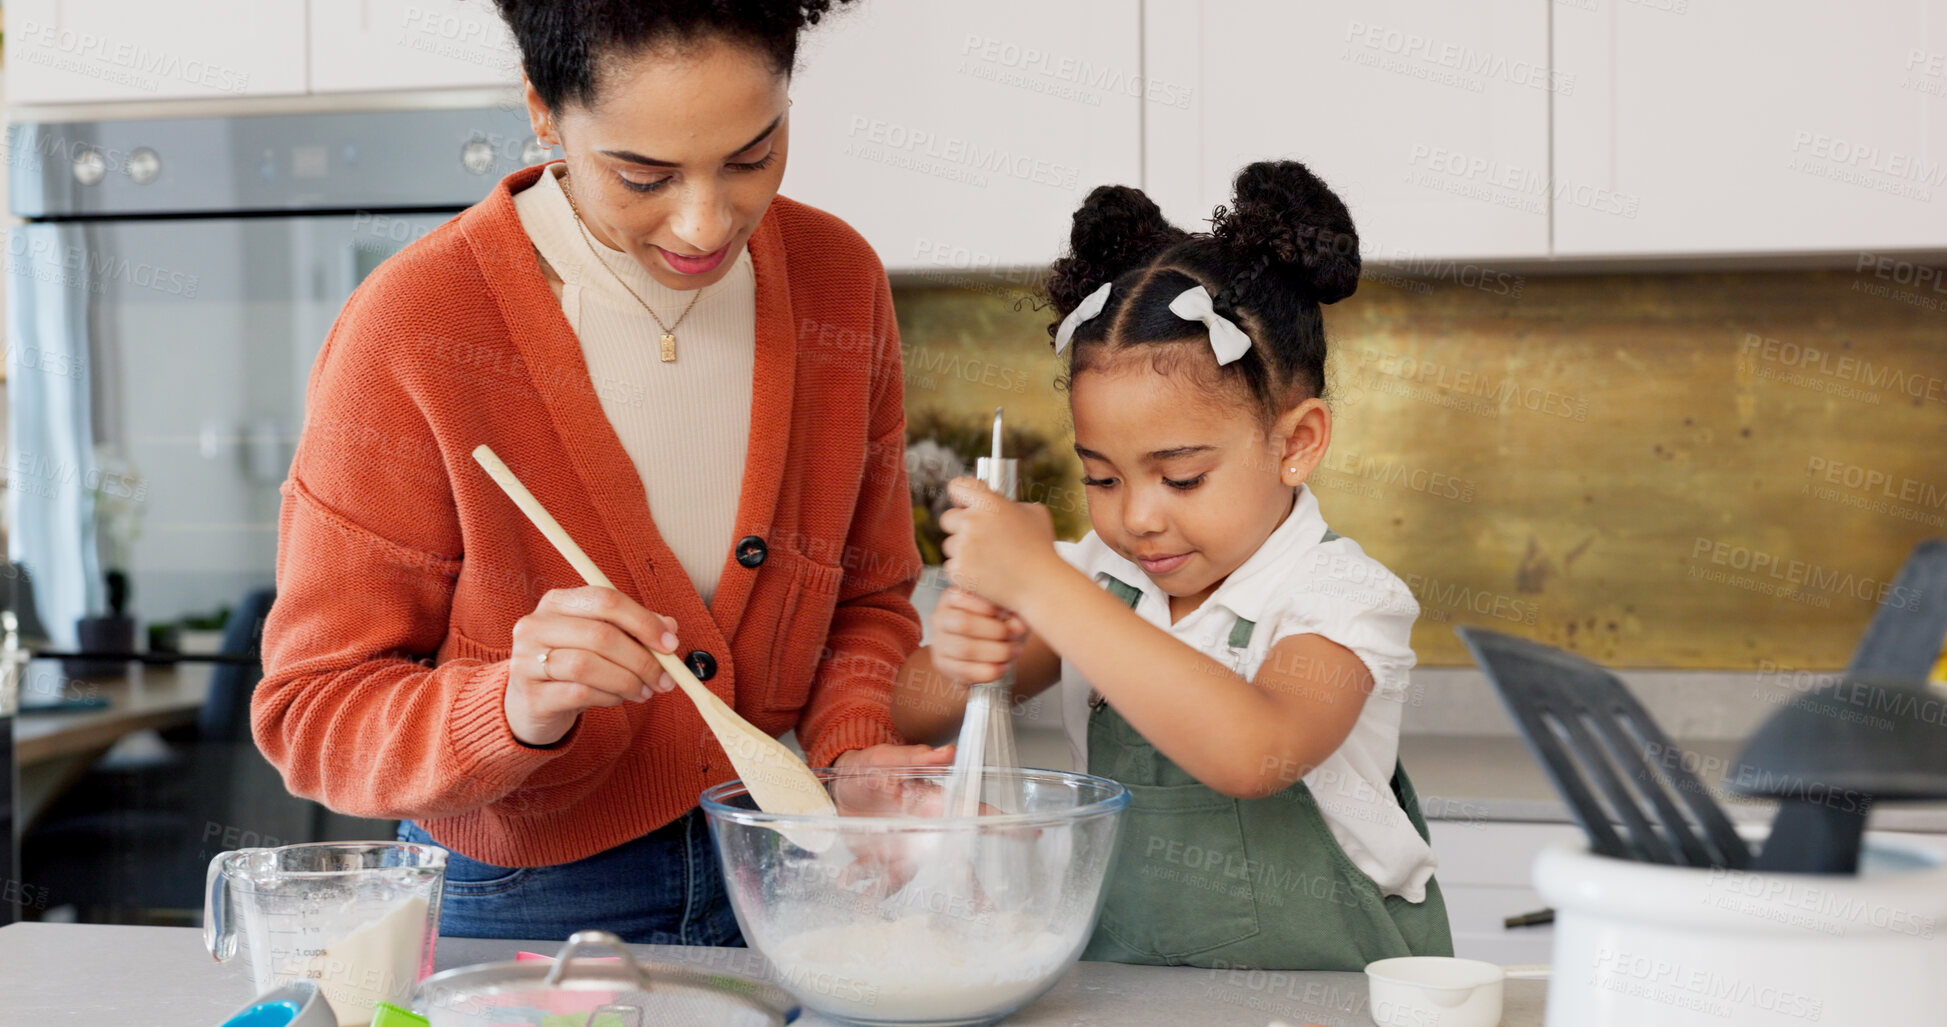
x=359, y=918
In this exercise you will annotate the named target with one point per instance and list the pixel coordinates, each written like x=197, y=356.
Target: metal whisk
x=986, y=739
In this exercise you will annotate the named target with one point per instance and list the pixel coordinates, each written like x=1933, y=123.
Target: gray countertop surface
x=161, y=977
x=1494, y=777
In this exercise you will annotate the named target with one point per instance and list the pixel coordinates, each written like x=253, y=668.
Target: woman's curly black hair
x=564, y=41
x=1284, y=245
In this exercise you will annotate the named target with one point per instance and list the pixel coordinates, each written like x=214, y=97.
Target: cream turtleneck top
x=686, y=424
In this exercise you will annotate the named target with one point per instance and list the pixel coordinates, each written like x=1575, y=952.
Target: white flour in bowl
x=922, y=968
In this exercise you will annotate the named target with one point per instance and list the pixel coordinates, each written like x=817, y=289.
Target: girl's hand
x=997, y=548
x=973, y=640
x=597, y=642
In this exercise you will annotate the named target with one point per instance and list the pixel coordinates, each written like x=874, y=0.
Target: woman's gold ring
x=544, y=664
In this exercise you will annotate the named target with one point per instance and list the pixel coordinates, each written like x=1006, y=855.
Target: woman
x=623, y=328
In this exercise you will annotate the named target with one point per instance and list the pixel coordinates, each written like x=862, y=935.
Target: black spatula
x=1904, y=639
x=1875, y=734
x=1606, y=756
x=1828, y=757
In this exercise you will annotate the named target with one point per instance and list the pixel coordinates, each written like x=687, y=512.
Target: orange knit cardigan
x=401, y=567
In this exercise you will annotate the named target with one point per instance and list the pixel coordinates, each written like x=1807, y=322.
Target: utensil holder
x=1641, y=943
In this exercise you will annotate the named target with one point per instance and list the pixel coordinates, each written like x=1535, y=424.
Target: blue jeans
x=664, y=888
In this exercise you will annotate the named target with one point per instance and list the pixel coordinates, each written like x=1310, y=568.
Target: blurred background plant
x=940, y=448
x=117, y=494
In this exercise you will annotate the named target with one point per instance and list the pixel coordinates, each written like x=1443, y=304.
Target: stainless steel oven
x=166, y=295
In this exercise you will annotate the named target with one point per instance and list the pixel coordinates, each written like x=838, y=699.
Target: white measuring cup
x=358, y=918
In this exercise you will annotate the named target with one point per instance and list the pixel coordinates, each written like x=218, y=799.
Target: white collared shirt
x=1298, y=584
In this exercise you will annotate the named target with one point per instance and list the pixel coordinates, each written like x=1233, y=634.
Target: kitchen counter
x=1480, y=778
x=161, y=977
x=1494, y=777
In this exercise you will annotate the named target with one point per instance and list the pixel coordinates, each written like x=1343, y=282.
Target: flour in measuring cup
x=376, y=962
x=920, y=967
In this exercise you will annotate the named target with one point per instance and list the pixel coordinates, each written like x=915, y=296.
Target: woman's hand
x=997, y=548
x=596, y=643
x=973, y=641
x=883, y=795
x=887, y=755
x=884, y=863
x=878, y=795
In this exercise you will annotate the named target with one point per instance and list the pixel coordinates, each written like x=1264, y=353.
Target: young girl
x=1221, y=652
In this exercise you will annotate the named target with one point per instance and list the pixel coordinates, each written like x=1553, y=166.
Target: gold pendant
x=669, y=347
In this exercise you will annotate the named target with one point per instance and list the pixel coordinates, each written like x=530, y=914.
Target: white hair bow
x=1090, y=306
x=1226, y=339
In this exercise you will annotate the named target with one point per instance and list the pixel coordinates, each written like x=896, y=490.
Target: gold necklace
x=669, y=330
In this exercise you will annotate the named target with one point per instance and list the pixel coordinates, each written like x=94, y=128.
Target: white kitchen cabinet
x=68, y=51
x=361, y=45
x=959, y=135
x=1494, y=853
x=1485, y=872
x=1750, y=126
x=1429, y=118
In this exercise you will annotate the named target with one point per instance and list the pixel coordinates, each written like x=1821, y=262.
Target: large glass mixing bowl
x=890, y=913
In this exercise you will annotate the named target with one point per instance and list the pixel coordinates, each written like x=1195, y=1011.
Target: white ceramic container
x=1638, y=943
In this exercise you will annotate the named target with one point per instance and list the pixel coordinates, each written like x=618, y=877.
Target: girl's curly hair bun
x=1116, y=228
x=1289, y=224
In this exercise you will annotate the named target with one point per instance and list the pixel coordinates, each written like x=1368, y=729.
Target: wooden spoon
x=778, y=780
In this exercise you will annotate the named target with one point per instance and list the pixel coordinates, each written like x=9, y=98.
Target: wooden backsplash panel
x=1696, y=471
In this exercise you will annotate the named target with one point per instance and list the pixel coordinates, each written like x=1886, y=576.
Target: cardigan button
x=751, y=551
x=701, y=664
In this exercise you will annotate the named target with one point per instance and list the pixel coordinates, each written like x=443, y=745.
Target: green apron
x=1202, y=879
